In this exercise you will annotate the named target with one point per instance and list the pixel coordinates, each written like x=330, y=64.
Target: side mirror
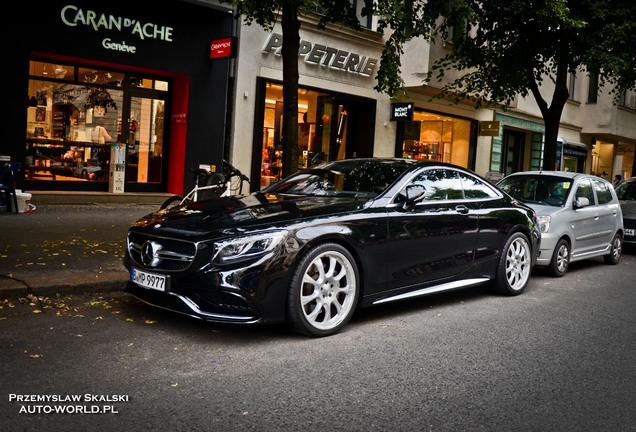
x=581, y=202
x=414, y=194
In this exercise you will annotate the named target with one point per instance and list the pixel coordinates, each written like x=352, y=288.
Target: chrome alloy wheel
x=562, y=257
x=518, y=263
x=328, y=290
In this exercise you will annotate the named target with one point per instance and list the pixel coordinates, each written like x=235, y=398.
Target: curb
x=17, y=288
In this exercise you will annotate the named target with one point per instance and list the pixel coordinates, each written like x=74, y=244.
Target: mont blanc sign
x=326, y=56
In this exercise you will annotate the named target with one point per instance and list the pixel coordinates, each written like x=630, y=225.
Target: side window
x=475, y=188
x=440, y=184
x=626, y=191
x=585, y=190
x=602, y=192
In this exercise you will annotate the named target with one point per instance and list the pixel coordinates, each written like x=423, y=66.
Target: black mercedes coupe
x=315, y=246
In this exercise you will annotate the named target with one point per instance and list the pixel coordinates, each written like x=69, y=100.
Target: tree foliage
x=508, y=48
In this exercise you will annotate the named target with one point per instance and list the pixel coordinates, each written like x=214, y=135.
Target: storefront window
x=318, y=140
x=73, y=119
x=69, y=130
x=437, y=137
x=51, y=70
x=101, y=77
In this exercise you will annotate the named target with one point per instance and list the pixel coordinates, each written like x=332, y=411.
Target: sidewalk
x=64, y=249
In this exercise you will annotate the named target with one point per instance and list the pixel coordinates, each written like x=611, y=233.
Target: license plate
x=629, y=232
x=149, y=280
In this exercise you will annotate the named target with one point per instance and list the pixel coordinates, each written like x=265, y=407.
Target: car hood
x=231, y=214
x=543, y=210
x=628, y=207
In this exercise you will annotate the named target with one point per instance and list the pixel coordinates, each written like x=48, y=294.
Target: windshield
x=351, y=178
x=626, y=191
x=547, y=190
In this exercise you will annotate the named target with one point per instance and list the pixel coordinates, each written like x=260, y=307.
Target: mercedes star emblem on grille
x=149, y=252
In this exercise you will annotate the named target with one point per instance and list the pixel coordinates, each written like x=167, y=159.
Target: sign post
x=117, y=170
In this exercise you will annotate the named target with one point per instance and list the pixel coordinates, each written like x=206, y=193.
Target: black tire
x=324, y=291
x=171, y=202
x=560, y=259
x=616, y=250
x=515, y=265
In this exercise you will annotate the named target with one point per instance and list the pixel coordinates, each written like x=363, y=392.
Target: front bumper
x=253, y=291
x=199, y=306
x=546, y=249
x=629, y=230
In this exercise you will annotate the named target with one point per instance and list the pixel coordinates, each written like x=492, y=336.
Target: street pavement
x=65, y=249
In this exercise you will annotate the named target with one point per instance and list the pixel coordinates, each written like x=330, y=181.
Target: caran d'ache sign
x=223, y=48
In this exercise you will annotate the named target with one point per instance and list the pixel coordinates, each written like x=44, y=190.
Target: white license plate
x=629, y=232
x=149, y=280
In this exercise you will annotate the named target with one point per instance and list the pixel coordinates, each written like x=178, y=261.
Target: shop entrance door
x=143, y=132
x=345, y=129
x=514, y=145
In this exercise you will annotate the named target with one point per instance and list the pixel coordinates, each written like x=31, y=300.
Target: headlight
x=544, y=223
x=244, y=248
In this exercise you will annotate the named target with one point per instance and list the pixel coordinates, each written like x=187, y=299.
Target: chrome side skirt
x=434, y=289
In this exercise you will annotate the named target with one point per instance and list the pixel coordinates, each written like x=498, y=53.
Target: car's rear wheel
x=560, y=259
x=616, y=250
x=324, y=291
x=515, y=264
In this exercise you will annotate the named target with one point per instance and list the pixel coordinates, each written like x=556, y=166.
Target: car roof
x=413, y=162
x=565, y=174
x=568, y=174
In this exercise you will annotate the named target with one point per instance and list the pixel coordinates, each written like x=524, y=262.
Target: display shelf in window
x=421, y=150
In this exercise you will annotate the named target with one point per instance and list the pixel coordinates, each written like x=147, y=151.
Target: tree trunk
x=291, y=45
x=551, y=114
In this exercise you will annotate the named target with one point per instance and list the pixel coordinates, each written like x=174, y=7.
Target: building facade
x=340, y=114
x=128, y=97
x=118, y=89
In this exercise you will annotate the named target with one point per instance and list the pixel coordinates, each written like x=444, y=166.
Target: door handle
x=461, y=209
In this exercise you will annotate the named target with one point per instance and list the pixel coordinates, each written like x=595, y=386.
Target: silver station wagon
x=579, y=215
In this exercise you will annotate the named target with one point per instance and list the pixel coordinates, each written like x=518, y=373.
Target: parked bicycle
x=211, y=184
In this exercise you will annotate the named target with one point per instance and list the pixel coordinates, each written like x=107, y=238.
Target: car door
x=585, y=221
x=436, y=238
x=608, y=211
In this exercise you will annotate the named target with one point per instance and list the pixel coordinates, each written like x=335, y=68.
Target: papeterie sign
x=323, y=55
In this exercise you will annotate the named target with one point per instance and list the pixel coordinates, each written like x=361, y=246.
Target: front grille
x=169, y=255
x=220, y=302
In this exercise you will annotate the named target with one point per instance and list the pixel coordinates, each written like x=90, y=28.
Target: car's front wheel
x=616, y=250
x=324, y=291
x=560, y=259
x=515, y=265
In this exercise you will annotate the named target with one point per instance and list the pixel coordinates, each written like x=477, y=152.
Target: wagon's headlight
x=544, y=223
x=245, y=248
